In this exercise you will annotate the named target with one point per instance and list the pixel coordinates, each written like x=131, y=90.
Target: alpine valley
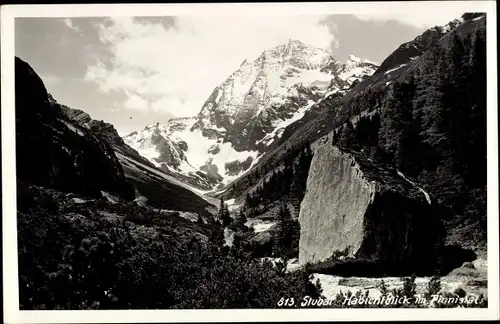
x=300, y=176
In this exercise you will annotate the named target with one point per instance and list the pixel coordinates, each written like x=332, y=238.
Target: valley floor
x=472, y=281
x=472, y=277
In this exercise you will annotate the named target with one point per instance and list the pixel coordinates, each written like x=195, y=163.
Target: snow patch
x=394, y=69
x=259, y=225
x=79, y=201
x=141, y=201
x=220, y=191
x=329, y=93
x=234, y=207
x=228, y=237
x=292, y=264
x=279, y=127
x=427, y=196
x=73, y=128
x=66, y=149
x=189, y=216
x=109, y=197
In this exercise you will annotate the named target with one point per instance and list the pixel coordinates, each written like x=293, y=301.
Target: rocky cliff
x=55, y=152
x=366, y=212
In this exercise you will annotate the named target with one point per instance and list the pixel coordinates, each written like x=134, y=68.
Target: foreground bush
x=89, y=257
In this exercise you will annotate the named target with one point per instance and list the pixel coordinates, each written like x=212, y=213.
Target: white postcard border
x=12, y=314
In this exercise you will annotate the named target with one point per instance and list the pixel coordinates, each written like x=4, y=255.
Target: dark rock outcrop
x=236, y=167
x=369, y=214
x=56, y=152
x=170, y=153
x=472, y=15
x=76, y=115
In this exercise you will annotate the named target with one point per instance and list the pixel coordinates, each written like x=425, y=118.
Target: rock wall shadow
x=453, y=257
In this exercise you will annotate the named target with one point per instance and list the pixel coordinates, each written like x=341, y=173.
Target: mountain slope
x=76, y=154
x=53, y=151
x=247, y=113
x=334, y=109
x=411, y=50
x=457, y=186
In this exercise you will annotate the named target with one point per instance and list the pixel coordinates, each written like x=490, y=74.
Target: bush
x=95, y=264
x=433, y=287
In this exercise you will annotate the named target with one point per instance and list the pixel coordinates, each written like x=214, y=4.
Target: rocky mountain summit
x=247, y=112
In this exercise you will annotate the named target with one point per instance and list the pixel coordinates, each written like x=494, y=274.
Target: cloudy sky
x=132, y=71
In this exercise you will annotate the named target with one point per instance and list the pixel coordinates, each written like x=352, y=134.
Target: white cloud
x=70, y=25
x=135, y=102
x=175, y=69
x=419, y=19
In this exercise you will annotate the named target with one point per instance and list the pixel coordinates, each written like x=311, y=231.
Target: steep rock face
x=365, y=211
x=54, y=151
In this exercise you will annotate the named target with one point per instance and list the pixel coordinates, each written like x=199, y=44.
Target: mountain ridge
x=247, y=112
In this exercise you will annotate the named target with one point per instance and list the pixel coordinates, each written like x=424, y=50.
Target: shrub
x=95, y=264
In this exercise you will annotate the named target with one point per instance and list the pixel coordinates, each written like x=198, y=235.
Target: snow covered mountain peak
x=247, y=112
x=297, y=54
x=257, y=86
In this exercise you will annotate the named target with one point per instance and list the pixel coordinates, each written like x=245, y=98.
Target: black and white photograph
x=302, y=159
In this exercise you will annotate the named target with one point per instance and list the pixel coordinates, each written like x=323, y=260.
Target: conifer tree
x=241, y=219
x=224, y=214
x=284, y=214
x=286, y=240
x=476, y=157
x=395, y=129
x=334, y=134
x=300, y=174
x=347, y=135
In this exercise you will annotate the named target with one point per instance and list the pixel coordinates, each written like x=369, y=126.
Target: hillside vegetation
x=77, y=254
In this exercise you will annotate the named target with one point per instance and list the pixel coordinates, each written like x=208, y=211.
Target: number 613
x=286, y=302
